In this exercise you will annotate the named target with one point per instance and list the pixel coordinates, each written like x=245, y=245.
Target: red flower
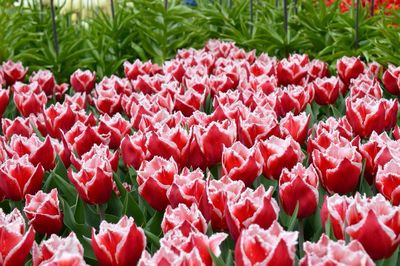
x=83, y=81
x=107, y=100
x=334, y=211
x=391, y=79
x=296, y=126
x=273, y=246
x=294, y=99
x=118, y=244
x=363, y=86
x=29, y=99
x=133, y=150
x=13, y=72
x=43, y=212
x=187, y=188
x=58, y=251
x=216, y=196
x=101, y=150
x=15, y=242
x=329, y=252
x=375, y=223
x=4, y=97
x=251, y=207
x=183, y=219
x=19, y=177
x=388, y=181
x=291, y=71
x=132, y=71
x=19, y=126
x=241, y=163
x=46, y=81
x=213, y=138
x=339, y=167
x=94, y=181
x=349, y=68
x=326, y=90
x=366, y=115
x=116, y=126
x=178, y=249
x=154, y=178
x=317, y=69
x=39, y=152
x=396, y=133
x=299, y=186
x=279, y=154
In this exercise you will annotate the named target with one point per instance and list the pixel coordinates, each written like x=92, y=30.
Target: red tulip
x=339, y=167
x=391, y=79
x=43, y=212
x=375, y=223
x=178, y=249
x=329, y=252
x=77, y=101
x=15, y=241
x=241, y=163
x=133, y=150
x=299, y=186
x=107, y=100
x=363, y=86
x=368, y=114
x=294, y=99
x=279, y=154
x=334, y=211
x=274, y=246
x=154, y=178
x=349, y=68
x=101, y=150
x=94, y=180
x=81, y=138
x=326, y=90
x=83, y=81
x=29, y=99
x=39, y=152
x=291, y=72
x=19, y=126
x=216, y=196
x=187, y=188
x=58, y=251
x=116, y=126
x=333, y=125
x=13, y=72
x=132, y=71
x=388, y=181
x=19, y=177
x=396, y=133
x=317, y=69
x=184, y=219
x=4, y=97
x=46, y=81
x=118, y=244
x=296, y=126
x=251, y=207
x=60, y=90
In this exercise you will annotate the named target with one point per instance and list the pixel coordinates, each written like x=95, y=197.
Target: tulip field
x=195, y=133
x=219, y=156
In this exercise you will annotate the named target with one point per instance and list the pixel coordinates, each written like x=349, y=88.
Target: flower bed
x=218, y=156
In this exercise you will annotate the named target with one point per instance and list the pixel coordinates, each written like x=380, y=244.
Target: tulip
x=154, y=178
x=334, y=211
x=13, y=72
x=339, y=167
x=83, y=81
x=100, y=150
x=326, y=90
x=317, y=69
x=43, y=212
x=94, y=180
x=296, y=126
x=118, y=244
x=326, y=252
x=241, y=163
x=274, y=246
x=279, y=154
x=388, y=180
x=4, y=97
x=132, y=71
x=29, y=99
x=187, y=188
x=184, y=219
x=299, y=186
x=116, y=126
x=290, y=72
x=294, y=99
x=19, y=177
x=391, y=79
x=58, y=251
x=15, y=241
x=133, y=150
x=46, y=81
x=251, y=207
x=19, y=126
x=349, y=68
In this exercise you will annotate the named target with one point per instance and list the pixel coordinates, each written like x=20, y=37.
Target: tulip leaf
x=153, y=239
x=79, y=212
x=217, y=261
x=131, y=208
x=60, y=167
x=70, y=222
x=88, y=251
x=154, y=224
x=389, y=261
x=293, y=218
x=65, y=189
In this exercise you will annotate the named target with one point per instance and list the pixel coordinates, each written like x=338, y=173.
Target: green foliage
x=144, y=29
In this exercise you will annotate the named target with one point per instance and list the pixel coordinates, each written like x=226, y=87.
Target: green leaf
x=218, y=261
x=293, y=218
x=71, y=223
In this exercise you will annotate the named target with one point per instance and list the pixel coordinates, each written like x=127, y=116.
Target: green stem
x=301, y=237
x=101, y=212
